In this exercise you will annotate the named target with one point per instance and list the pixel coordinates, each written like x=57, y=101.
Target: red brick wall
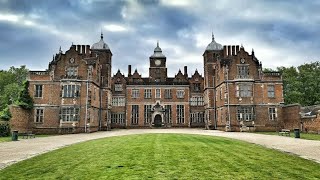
x=291, y=116
x=20, y=119
x=311, y=125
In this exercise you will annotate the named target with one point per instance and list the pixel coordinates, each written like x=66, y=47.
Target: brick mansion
x=78, y=93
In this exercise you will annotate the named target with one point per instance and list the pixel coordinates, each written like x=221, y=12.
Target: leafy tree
x=25, y=101
x=5, y=114
x=302, y=84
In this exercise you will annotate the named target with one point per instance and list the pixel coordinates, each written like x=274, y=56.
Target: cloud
x=280, y=32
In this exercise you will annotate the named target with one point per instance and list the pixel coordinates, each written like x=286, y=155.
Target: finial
x=241, y=46
x=212, y=36
x=252, y=51
x=157, y=43
x=101, y=34
x=60, y=51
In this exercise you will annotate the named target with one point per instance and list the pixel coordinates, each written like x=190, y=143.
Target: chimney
x=233, y=50
x=237, y=49
x=224, y=51
x=87, y=49
x=78, y=48
x=229, y=51
x=129, y=70
x=83, y=49
x=186, y=71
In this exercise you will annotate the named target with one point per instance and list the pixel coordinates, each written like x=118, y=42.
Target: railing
x=39, y=73
x=272, y=73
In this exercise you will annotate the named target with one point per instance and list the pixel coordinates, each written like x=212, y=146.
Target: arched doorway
x=157, y=121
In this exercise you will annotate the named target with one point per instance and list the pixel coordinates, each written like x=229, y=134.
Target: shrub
x=4, y=130
x=5, y=114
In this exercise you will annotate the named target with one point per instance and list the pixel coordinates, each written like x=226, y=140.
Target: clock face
x=157, y=62
x=242, y=61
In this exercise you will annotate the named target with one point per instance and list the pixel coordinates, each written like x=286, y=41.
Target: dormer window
x=118, y=87
x=72, y=71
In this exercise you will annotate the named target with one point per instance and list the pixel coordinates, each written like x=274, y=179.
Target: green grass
x=164, y=156
x=302, y=135
x=6, y=139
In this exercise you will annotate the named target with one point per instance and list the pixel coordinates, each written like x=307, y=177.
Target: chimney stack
x=237, y=49
x=83, y=49
x=78, y=48
x=129, y=70
x=87, y=49
x=233, y=50
x=224, y=51
x=229, y=50
x=186, y=71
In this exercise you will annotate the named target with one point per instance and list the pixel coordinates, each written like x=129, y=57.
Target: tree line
x=14, y=90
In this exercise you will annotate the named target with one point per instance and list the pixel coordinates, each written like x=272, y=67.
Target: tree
x=25, y=101
x=302, y=84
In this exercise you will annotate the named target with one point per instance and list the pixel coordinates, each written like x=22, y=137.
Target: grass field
x=302, y=135
x=163, y=156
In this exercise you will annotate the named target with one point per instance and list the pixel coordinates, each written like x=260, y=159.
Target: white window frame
x=271, y=91
x=147, y=93
x=72, y=71
x=272, y=112
x=38, y=115
x=70, y=114
x=135, y=93
x=180, y=113
x=158, y=93
x=118, y=87
x=167, y=93
x=38, y=91
x=70, y=91
x=135, y=114
x=180, y=93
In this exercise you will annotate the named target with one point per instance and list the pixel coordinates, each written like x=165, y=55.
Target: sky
x=281, y=32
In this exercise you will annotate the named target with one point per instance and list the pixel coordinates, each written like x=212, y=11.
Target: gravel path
x=12, y=152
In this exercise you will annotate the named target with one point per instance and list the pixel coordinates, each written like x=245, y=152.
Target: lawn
x=164, y=156
x=302, y=135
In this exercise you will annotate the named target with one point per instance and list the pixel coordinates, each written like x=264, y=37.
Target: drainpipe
x=229, y=119
x=86, y=117
x=100, y=104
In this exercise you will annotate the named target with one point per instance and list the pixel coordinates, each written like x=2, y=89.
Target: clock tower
x=157, y=69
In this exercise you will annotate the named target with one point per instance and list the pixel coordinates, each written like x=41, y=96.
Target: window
x=158, y=93
x=38, y=92
x=117, y=118
x=271, y=91
x=180, y=114
x=243, y=72
x=69, y=114
x=168, y=115
x=197, y=117
x=245, y=113
x=118, y=101
x=147, y=93
x=196, y=87
x=135, y=93
x=72, y=71
x=135, y=114
x=118, y=87
x=147, y=113
x=196, y=101
x=180, y=93
x=71, y=91
x=38, y=115
x=244, y=90
x=167, y=94
x=272, y=113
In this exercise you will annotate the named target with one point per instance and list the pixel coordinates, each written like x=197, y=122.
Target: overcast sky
x=282, y=33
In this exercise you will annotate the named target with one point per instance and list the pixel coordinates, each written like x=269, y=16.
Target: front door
x=157, y=121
